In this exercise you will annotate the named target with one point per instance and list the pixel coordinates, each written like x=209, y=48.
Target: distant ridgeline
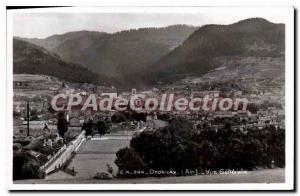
x=145, y=56
x=248, y=38
x=32, y=59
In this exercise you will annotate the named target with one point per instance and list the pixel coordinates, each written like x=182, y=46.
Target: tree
x=102, y=127
x=62, y=125
x=88, y=127
x=118, y=117
x=207, y=155
x=168, y=148
x=137, y=116
x=128, y=161
x=25, y=166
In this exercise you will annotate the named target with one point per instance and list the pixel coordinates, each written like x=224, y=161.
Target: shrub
x=25, y=166
x=128, y=161
x=118, y=117
x=62, y=124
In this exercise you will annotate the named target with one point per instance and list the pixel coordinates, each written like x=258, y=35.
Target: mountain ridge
x=250, y=37
x=137, y=58
x=32, y=59
x=113, y=54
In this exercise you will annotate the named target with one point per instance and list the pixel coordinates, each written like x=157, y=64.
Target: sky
x=41, y=25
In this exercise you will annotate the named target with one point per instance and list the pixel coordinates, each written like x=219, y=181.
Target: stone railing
x=63, y=155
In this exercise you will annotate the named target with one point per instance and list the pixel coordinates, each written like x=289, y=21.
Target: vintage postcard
x=150, y=98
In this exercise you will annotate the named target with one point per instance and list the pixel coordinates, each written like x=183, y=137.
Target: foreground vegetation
x=178, y=147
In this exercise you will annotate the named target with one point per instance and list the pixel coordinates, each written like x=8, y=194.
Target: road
x=94, y=156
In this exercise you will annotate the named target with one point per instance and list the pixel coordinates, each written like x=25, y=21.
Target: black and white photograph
x=150, y=98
